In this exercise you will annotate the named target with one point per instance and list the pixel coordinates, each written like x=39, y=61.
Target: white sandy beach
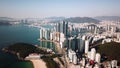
x=38, y=63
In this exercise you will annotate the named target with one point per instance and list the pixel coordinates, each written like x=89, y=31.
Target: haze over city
x=59, y=33
x=66, y=8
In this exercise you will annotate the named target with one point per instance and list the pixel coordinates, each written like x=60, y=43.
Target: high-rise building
x=71, y=43
x=76, y=44
x=44, y=34
x=92, y=28
x=58, y=27
x=86, y=46
x=97, y=57
x=80, y=43
x=114, y=63
x=41, y=33
x=72, y=56
x=65, y=28
x=93, y=53
x=62, y=24
x=62, y=27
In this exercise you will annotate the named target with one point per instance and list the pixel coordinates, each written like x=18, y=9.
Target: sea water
x=10, y=34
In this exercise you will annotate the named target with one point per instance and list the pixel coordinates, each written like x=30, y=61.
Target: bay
x=10, y=34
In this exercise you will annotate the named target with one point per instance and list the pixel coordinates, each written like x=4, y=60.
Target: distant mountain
x=7, y=20
x=55, y=18
x=4, y=23
x=82, y=20
x=109, y=18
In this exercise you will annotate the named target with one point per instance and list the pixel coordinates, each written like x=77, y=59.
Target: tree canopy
x=111, y=50
x=24, y=49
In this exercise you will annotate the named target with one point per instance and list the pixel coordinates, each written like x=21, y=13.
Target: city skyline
x=64, y=8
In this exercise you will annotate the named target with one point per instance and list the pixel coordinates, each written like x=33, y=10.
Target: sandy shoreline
x=38, y=63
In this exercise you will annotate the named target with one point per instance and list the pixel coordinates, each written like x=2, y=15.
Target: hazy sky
x=67, y=8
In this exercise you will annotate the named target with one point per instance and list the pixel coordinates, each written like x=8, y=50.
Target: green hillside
x=24, y=49
x=111, y=50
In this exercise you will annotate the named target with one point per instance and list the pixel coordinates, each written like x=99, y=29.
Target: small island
x=23, y=50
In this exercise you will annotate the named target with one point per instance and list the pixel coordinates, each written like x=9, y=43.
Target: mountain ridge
x=82, y=20
x=109, y=18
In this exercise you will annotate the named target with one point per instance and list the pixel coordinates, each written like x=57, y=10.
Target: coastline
x=38, y=63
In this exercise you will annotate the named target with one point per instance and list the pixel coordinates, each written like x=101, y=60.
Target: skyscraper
x=76, y=43
x=44, y=34
x=66, y=29
x=58, y=27
x=86, y=46
x=62, y=27
x=80, y=43
x=62, y=24
x=71, y=43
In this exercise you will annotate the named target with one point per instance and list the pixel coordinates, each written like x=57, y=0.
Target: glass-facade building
x=62, y=27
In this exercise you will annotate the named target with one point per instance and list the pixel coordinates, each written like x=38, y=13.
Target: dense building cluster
x=80, y=41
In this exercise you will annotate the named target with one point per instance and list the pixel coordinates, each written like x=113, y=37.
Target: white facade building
x=97, y=57
x=93, y=53
x=86, y=46
x=72, y=56
x=114, y=63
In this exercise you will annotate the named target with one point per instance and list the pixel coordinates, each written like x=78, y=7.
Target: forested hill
x=82, y=20
x=108, y=18
x=24, y=49
x=111, y=50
